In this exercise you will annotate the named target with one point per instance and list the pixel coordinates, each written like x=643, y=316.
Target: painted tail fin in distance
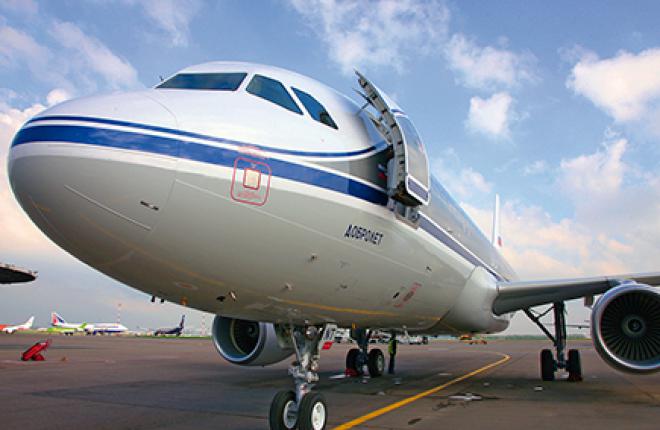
x=496, y=238
x=55, y=319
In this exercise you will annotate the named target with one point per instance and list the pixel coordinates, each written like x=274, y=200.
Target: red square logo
x=251, y=179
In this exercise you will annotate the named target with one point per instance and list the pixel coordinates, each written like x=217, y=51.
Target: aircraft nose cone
x=81, y=169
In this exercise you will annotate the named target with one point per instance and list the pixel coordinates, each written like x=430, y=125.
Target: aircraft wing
x=513, y=296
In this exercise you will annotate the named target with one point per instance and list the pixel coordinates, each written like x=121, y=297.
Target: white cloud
x=462, y=182
x=58, y=95
x=83, y=60
x=538, y=166
x=18, y=48
x=597, y=174
x=487, y=67
x=616, y=200
x=492, y=116
x=539, y=247
x=615, y=227
x=626, y=86
x=173, y=17
x=93, y=54
x=362, y=34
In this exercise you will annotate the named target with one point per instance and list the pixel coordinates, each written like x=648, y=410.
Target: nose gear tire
x=283, y=411
x=313, y=412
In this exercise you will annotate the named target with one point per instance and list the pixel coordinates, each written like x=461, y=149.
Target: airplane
x=175, y=331
x=90, y=328
x=106, y=328
x=60, y=324
x=11, y=329
x=283, y=207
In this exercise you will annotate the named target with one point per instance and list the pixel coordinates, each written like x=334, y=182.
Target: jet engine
x=250, y=343
x=625, y=328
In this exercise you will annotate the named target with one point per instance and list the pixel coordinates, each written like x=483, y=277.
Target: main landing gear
x=357, y=358
x=301, y=409
x=550, y=364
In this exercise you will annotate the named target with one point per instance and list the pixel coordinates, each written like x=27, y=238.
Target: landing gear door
x=408, y=171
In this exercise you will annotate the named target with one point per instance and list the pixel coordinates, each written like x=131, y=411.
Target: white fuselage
x=14, y=328
x=59, y=322
x=106, y=328
x=225, y=202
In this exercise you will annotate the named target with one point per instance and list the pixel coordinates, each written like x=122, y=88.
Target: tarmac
x=98, y=382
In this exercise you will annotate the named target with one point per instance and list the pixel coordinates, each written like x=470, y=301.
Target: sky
x=553, y=105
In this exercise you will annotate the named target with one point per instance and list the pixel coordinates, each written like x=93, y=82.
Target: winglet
x=496, y=238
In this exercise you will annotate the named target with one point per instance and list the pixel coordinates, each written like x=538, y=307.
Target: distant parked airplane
x=89, y=328
x=175, y=331
x=10, y=329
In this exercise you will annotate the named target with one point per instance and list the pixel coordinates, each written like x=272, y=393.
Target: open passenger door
x=408, y=181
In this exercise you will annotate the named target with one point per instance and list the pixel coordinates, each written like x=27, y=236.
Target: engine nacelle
x=625, y=328
x=250, y=343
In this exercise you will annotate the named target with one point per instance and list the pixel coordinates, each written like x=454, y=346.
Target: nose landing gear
x=302, y=408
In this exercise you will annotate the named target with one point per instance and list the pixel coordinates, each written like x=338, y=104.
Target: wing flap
x=513, y=296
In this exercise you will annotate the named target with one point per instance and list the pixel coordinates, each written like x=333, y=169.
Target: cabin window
x=314, y=108
x=205, y=81
x=273, y=91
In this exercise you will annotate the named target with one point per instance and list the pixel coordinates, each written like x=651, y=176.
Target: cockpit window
x=315, y=109
x=205, y=81
x=273, y=91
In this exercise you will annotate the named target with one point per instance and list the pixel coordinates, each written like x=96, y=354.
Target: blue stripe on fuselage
x=196, y=152
x=427, y=225
x=225, y=157
x=380, y=145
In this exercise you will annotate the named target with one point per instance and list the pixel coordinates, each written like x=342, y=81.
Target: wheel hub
x=318, y=416
x=290, y=414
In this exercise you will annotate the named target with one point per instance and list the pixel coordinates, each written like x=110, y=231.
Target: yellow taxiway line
x=408, y=400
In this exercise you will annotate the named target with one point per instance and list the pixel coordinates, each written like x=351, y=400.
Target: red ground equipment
x=34, y=352
x=351, y=373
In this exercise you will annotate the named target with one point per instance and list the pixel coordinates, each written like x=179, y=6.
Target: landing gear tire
x=283, y=411
x=376, y=363
x=313, y=412
x=574, y=366
x=352, y=358
x=547, y=365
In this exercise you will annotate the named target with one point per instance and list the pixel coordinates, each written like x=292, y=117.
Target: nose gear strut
x=301, y=408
